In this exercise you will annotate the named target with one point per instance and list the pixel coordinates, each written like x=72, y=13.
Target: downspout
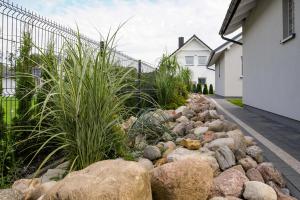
x=230, y=18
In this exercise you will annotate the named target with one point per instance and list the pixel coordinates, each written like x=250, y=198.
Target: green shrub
x=205, y=90
x=85, y=105
x=171, y=82
x=211, y=89
x=195, y=89
x=199, y=88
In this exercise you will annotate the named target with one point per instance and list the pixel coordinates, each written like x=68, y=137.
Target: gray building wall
x=271, y=70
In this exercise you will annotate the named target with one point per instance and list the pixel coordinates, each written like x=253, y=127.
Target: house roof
x=191, y=38
x=237, y=12
x=215, y=54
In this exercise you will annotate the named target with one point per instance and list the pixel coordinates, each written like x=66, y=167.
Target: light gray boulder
x=225, y=157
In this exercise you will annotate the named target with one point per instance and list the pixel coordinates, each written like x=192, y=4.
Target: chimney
x=180, y=42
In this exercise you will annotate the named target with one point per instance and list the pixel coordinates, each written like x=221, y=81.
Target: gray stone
x=178, y=140
x=152, y=152
x=225, y=157
x=221, y=135
x=216, y=125
x=180, y=109
x=199, y=131
x=179, y=129
x=256, y=153
x=215, y=144
x=182, y=119
x=188, y=113
x=247, y=163
x=166, y=137
x=255, y=190
x=146, y=163
x=53, y=175
x=182, y=153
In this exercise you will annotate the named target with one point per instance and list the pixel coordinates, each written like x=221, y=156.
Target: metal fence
x=16, y=20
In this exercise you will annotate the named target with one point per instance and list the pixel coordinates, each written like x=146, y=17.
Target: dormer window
x=202, y=60
x=189, y=60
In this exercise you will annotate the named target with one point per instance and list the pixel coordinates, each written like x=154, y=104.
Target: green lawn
x=10, y=105
x=236, y=101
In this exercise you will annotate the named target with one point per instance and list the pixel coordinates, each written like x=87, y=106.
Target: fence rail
x=14, y=21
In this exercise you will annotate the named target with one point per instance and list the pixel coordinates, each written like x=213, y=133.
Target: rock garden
x=191, y=153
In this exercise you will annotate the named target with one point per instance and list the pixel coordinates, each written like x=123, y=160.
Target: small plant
x=199, y=88
x=211, y=89
x=149, y=125
x=205, y=90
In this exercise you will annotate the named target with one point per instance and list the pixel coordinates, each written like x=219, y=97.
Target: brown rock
x=208, y=137
x=105, y=180
x=40, y=190
x=24, y=186
x=254, y=175
x=191, y=144
x=188, y=179
x=270, y=173
x=229, y=183
x=247, y=163
x=239, y=168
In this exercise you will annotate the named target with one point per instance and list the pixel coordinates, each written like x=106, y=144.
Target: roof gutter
x=223, y=30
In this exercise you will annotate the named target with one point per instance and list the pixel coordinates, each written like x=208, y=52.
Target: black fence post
x=139, y=84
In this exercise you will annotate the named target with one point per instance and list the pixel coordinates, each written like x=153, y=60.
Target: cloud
x=153, y=25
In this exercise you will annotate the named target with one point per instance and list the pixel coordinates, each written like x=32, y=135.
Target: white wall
x=219, y=76
x=233, y=71
x=195, y=49
x=271, y=70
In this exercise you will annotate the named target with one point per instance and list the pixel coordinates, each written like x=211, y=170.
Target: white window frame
x=192, y=59
x=202, y=63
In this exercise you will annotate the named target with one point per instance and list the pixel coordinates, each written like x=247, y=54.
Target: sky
x=151, y=28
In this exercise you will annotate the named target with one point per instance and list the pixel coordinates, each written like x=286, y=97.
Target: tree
x=199, y=88
x=205, y=90
x=211, y=89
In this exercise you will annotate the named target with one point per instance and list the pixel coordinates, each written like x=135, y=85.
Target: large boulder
x=108, y=179
x=229, y=183
x=255, y=190
x=152, y=152
x=216, y=125
x=256, y=153
x=225, y=157
x=270, y=173
x=215, y=144
x=188, y=179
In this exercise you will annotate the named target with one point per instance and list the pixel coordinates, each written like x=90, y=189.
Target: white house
x=227, y=59
x=194, y=54
x=271, y=53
